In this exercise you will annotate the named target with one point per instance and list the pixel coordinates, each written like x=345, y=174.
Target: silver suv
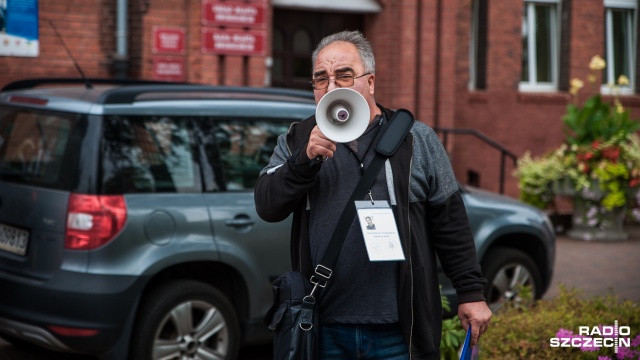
x=128, y=228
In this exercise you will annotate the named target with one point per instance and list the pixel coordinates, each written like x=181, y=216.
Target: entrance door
x=296, y=34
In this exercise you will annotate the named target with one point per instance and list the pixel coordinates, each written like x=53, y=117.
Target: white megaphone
x=342, y=115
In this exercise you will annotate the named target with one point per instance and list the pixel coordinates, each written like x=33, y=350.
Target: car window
x=156, y=154
x=245, y=147
x=149, y=154
x=33, y=145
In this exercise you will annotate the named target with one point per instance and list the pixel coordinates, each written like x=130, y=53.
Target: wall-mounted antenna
x=87, y=84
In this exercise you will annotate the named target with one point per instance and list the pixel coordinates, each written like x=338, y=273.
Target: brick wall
x=519, y=121
x=497, y=111
x=87, y=28
x=422, y=53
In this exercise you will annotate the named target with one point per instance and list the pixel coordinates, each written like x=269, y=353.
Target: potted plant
x=597, y=167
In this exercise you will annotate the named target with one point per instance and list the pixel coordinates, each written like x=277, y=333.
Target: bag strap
x=388, y=142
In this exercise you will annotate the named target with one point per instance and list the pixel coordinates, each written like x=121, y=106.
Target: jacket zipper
x=410, y=263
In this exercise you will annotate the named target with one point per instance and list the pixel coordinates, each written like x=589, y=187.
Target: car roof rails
x=32, y=83
x=128, y=94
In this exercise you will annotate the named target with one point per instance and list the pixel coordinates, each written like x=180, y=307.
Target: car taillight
x=93, y=220
x=67, y=331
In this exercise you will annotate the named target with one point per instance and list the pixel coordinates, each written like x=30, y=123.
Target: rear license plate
x=13, y=240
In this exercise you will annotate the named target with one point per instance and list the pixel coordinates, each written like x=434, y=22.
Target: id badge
x=379, y=230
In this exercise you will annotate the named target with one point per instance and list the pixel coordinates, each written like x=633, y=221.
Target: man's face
x=342, y=58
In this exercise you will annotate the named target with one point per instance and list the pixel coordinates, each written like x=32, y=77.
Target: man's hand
x=477, y=314
x=319, y=145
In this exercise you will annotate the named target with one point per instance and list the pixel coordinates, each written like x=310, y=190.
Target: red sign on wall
x=233, y=42
x=168, y=40
x=234, y=13
x=168, y=68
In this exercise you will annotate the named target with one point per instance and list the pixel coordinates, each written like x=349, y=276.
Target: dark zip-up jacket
x=430, y=216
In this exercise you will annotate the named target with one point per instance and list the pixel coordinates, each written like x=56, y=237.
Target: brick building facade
x=423, y=52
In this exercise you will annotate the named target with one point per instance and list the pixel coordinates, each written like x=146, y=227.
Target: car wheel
x=507, y=271
x=185, y=320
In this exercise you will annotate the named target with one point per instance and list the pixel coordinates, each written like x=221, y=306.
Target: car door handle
x=239, y=222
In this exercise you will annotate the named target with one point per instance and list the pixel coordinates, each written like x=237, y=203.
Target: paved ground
x=596, y=268
x=599, y=268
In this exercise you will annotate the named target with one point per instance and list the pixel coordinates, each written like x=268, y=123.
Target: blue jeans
x=371, y=342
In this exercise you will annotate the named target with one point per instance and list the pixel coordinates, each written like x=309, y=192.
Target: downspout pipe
x=418, y=87
x=120, y=63
x=437, y=77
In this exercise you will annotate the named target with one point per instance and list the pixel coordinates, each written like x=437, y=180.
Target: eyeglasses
x=322, y=83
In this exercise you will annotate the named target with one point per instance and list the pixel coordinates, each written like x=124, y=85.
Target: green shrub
x=452, y=333
x=525, y=332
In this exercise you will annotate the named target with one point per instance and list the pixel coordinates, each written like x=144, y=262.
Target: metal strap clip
x=324, y=273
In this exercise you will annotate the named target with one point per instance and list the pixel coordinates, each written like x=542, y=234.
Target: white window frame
x=533, y=85
x=609, y=74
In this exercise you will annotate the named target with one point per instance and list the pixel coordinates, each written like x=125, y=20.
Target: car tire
x=209, y=325
x=506, y=270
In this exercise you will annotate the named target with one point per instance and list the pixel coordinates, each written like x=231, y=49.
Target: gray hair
x=358, y=40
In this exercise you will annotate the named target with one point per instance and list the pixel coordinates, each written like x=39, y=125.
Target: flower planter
x=597, y=166
x=563, y=187
x=593, y=222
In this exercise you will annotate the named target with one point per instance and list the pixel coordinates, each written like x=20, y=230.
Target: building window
x=620, y=40
x=302, y=48
x=478, y=46
x=540, y=41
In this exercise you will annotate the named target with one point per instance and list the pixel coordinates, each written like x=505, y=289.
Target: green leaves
x=597, y=120
x=452, y=337
x=536, y=176
x=601, y=150
x=518, y=334
x=452, y=333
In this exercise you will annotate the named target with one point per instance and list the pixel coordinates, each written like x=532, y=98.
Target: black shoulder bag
x=293, y=318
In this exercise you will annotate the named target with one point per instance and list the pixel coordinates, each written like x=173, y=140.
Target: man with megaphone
x=381, y=299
